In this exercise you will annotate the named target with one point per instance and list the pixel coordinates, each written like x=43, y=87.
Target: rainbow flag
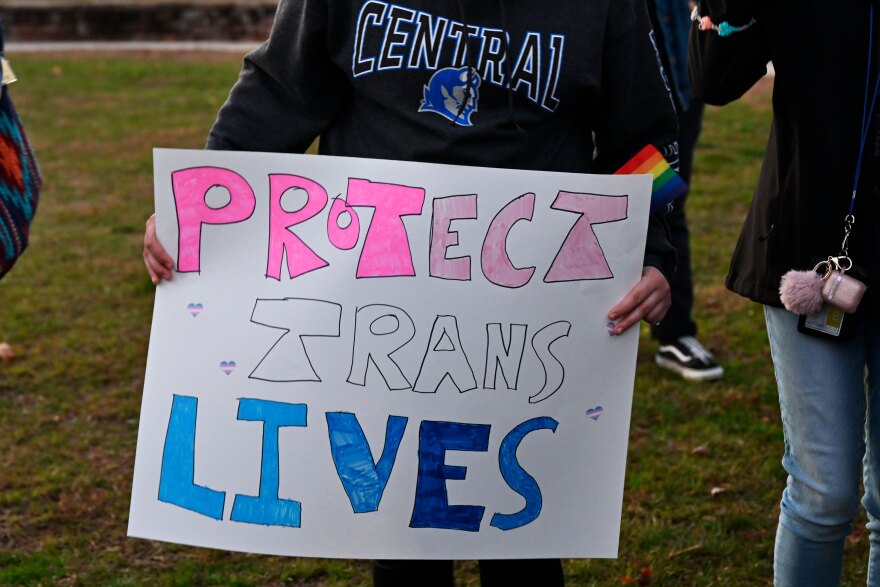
x=668, y=184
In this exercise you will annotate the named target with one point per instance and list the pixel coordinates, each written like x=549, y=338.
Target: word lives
x=363, y=479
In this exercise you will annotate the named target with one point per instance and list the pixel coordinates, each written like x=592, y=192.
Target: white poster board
x=374, y=359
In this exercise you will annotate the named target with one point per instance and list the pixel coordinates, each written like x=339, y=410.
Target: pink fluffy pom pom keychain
x=801, y=291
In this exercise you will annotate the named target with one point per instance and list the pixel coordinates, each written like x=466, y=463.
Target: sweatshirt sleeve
x=636, y=109
x=723, y=68
x=659, y=251
x=288, y=91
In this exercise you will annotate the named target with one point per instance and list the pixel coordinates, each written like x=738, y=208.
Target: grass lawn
x=703, y=478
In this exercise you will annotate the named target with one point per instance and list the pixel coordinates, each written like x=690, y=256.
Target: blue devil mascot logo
x=445, y=94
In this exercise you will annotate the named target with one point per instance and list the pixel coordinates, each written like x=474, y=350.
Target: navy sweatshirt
x=572, y=86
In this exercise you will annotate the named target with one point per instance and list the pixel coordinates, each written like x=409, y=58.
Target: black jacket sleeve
x=636, y=105
x=637, y=109
x=659, y=251
x=289, y=90
x=723, y=68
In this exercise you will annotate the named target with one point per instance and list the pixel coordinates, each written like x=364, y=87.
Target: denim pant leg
x=822, y=400
x=871, y=500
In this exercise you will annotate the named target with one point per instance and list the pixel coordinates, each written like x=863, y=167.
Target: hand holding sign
x=157, y=261
x=649, y=300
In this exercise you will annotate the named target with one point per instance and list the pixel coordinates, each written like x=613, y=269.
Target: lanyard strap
x=867, y=115
x=867, y=112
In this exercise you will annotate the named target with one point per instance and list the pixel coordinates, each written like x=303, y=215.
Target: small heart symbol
x=227, y=366
x=195, y=309
x=594, y=413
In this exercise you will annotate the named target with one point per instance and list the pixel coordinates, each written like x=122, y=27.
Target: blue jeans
x=831, y=421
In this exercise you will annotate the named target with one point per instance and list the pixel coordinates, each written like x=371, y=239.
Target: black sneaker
x=687, y=357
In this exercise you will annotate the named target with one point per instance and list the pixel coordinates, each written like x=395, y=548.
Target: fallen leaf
x=7, y=353
x=719, y=489
x=702, y=450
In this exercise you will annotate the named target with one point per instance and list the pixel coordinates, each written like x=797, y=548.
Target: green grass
x=703, y=479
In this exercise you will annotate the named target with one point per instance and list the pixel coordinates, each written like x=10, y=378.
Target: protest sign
x=374, y=359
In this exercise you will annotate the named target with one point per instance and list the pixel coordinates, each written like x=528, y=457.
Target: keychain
x=826, y=296
x=841, y=289
x=803, y=292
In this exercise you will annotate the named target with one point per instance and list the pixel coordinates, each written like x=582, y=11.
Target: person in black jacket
x=575, y=88
x=819, y=181
x=679, y=349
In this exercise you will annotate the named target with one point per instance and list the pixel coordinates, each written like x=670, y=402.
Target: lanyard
x=867, y=115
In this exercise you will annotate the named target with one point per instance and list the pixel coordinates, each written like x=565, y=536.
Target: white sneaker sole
x=712, y=374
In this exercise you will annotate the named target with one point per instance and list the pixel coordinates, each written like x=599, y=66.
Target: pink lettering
x=581, y=256
x=496, y=264
x=445, y=211
x=343, y=238
x=190, y=187
x=386, y=251
x=300, y=258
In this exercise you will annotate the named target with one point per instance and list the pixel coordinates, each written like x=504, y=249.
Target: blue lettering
x=372, y=14
x=517, y=477
x=266, y=508
x=431, y=508
x=363, y=480
x=395, y=38
x=527, y=70
x=550, y=101
x=428, y=42
x=176, y=482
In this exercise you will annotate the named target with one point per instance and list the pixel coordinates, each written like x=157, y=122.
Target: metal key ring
x=827, y=268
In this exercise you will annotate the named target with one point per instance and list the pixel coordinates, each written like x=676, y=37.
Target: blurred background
x=136, y=20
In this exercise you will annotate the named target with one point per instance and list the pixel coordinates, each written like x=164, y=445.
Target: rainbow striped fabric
x=668, y=184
